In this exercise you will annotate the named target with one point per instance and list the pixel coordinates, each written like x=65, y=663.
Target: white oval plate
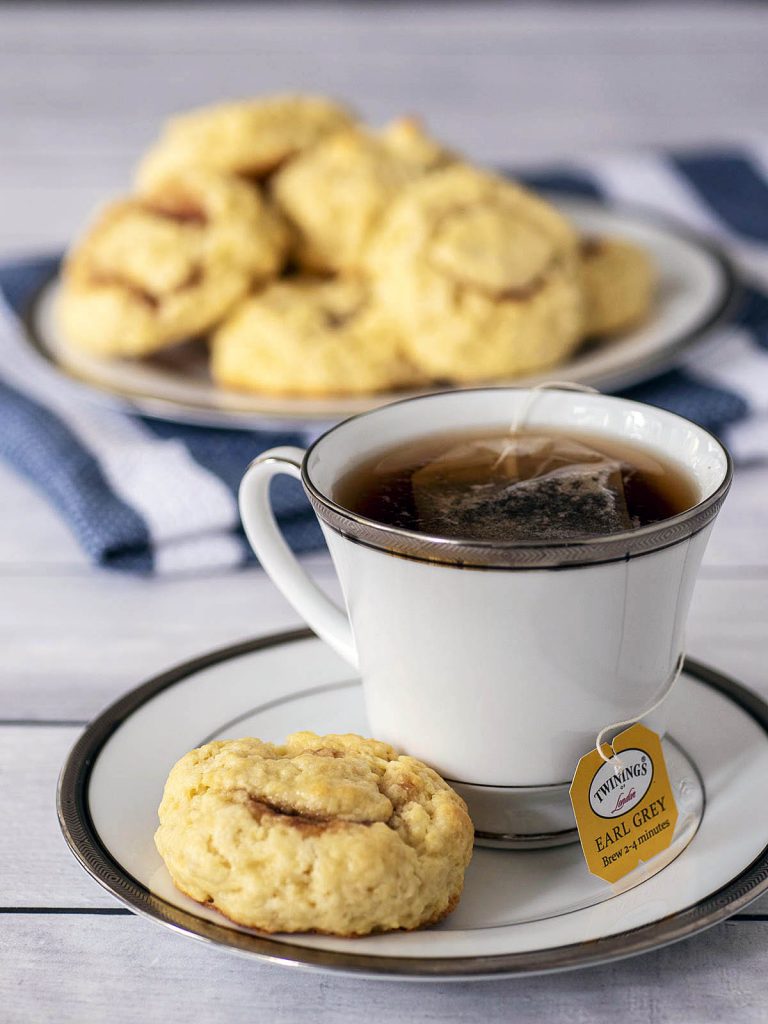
x=697, y=288
x=521, y=912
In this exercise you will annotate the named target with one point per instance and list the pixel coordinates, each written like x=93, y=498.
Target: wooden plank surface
x=124, y=968
x=82, y=89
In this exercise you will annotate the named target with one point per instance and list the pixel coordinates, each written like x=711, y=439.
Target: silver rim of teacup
x=507, y=555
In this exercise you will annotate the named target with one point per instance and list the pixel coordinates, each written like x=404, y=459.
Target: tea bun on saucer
x=480, y=273
x=335, y=192
x=247, y=137
x=306, y=336
x=332, y=834
x=618, y=279
x=168, y=263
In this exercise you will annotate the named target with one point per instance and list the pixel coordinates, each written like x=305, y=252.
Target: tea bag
x=521, y=488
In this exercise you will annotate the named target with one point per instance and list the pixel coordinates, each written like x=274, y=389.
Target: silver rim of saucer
x=87, y=847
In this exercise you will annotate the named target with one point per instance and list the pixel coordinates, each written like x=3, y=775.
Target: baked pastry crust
x=250, y=137
x=619, y=281
x=306, y=336
x=335, y=192
x=481, y=274
x=434, y=271
x=408, y=139
x=168, y=264
x=333, y=834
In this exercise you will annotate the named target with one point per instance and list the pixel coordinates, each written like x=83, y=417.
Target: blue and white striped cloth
x=147, y=496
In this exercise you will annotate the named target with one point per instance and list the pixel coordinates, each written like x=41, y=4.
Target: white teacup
x=498, y=663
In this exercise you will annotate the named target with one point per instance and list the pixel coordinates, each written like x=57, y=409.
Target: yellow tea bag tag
x=624, y=808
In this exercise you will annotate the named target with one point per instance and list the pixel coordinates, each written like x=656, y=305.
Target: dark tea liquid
x=529, y=486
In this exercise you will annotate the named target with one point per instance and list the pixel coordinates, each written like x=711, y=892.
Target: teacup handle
x=280, y=563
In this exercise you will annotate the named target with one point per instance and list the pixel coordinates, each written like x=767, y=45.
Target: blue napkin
x=147, y=496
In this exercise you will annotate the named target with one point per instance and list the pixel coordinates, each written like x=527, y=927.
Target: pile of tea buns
x=318, y=257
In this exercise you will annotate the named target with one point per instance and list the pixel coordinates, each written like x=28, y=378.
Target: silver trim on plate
x=86, y=845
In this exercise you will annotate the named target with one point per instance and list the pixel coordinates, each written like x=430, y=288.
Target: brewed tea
x=523, y=487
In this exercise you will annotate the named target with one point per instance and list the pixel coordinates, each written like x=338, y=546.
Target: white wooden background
x=82, y=89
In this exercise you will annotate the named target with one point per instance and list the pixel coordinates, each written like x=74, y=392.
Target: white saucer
x=696, y=290
x=522, y=912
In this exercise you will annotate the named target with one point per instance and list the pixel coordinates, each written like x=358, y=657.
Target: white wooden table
x=81, y=90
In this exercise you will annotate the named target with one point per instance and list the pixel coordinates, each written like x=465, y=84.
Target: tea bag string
x=535, y=391
x=631, y=721
x=527, y=405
